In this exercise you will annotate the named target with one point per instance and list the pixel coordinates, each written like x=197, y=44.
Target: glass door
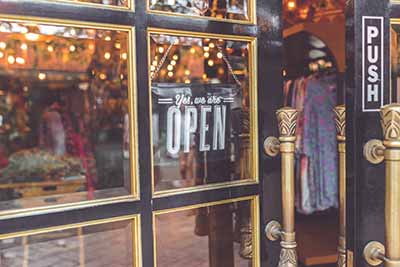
x=131, y=132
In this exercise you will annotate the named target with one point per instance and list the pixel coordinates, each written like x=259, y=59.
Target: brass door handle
x=287, y=119
x=340, y=112
x=376, y=151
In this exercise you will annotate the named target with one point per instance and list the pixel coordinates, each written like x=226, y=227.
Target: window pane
x=121, y=3
x=219, y=235
x=64, y=123
x=92, y=246
x=201, y=111
x=220, y=9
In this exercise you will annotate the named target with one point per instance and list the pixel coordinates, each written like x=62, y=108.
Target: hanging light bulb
x=107, y=55
x=24, y=46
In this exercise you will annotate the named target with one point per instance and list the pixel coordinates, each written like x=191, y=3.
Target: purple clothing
x=319, y=187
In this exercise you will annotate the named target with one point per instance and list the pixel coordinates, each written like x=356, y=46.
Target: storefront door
x=372, y=81
x=132, y=133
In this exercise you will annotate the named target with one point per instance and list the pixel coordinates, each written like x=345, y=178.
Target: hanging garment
x=52, y=132
x=319, y=169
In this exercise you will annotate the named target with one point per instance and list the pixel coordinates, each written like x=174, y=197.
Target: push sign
x=372, y=63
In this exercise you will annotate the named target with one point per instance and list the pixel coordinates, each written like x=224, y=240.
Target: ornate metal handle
x=340, y=120
x=375, y=253
x=287, y=119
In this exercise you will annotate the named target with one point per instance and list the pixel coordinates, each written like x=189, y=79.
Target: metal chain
x=228, y=64
x=164, y=58
x=161, y=63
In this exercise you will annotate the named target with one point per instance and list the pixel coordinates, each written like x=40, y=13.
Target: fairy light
x=124, y=56
x=173, y=62
x=103, y=76
x=219, y=55
x=152, y=68
x=161, y=50
x=175, y=57
x=24, y=46
x=117, y=45
x=50, y=48
x=42, y=76
x=206, y=54
x=206, y=48
x=154, y=63
x=192, y=50
x=170, y=74
x=187, y=72
x=20, y=60
x=204, y=76
x=108, y=38
x=170, y=67
x=11, y=59
x=107, y=55
x=1, y=54
x=72, y=48
x=291, y=5
x=3, y=45
x=187, y=81
x=32, y=36
x=210, y=62
x=211, y=45
x=72, y=31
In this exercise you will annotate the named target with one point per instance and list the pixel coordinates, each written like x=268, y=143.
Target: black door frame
x=268, y=32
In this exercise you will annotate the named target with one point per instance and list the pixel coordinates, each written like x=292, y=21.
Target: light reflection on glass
x=201, y=111
x=219, y=235
x=219, y=9
x=64, y=122
x=95, y=246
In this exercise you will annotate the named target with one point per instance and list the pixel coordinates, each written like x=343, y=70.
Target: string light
x=170, y=74
x=32, y=36
x=210, y=63
x=170, y=67
x=173, y=62
x=103, y=76
x=107, y=55
x=72, y=48
x=1, y=54
x=187, y=81
x=124, y=56
x=187, y=72
x=206, y=54
x=161, y=50
x=206, y=48
x=11, y=59
x=291, y=5
x=91, y=46
x=24, y=46
x=152, y=68
x=211, y=45
x=192, y=50
x=3, y=45
x=42, y=76
x=204, y=76
x=24, y=30
x=117, y=45
x=219, y=55
x=20, y=60
x=108, y=38
x=175, y=57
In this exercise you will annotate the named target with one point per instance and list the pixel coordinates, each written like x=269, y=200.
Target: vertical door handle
x=389, y=150
x=287, y=119
x=340, y=120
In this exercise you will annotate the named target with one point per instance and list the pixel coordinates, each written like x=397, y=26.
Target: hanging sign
x=194, y=116
x=372, y=63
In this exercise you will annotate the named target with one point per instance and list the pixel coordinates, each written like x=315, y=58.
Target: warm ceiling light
x=42, y=76
x=24, y=46
x=32, y=36
x=20, y=60
x=291, y=4
x=11, y=59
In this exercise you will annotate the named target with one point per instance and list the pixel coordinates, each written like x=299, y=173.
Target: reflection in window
x=220, y=9
x=95, y=246
x=63, y=114
x=201, y=118
x=121, y=3
x=219, y=235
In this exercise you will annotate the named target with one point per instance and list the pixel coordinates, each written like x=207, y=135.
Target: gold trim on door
x=136, y=233
x=255, y=216
x=135, y=190
x=130, y=7
x=252, y=20
x=253, y=111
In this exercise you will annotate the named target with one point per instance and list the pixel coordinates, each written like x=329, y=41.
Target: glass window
x=218, y=235
x=201, y=111
x=118, y=3
x=64, y=114
x=218, y=9
x=394, y=59
x=100, y=245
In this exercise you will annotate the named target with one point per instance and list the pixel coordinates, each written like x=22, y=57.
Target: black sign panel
x=372, y=65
